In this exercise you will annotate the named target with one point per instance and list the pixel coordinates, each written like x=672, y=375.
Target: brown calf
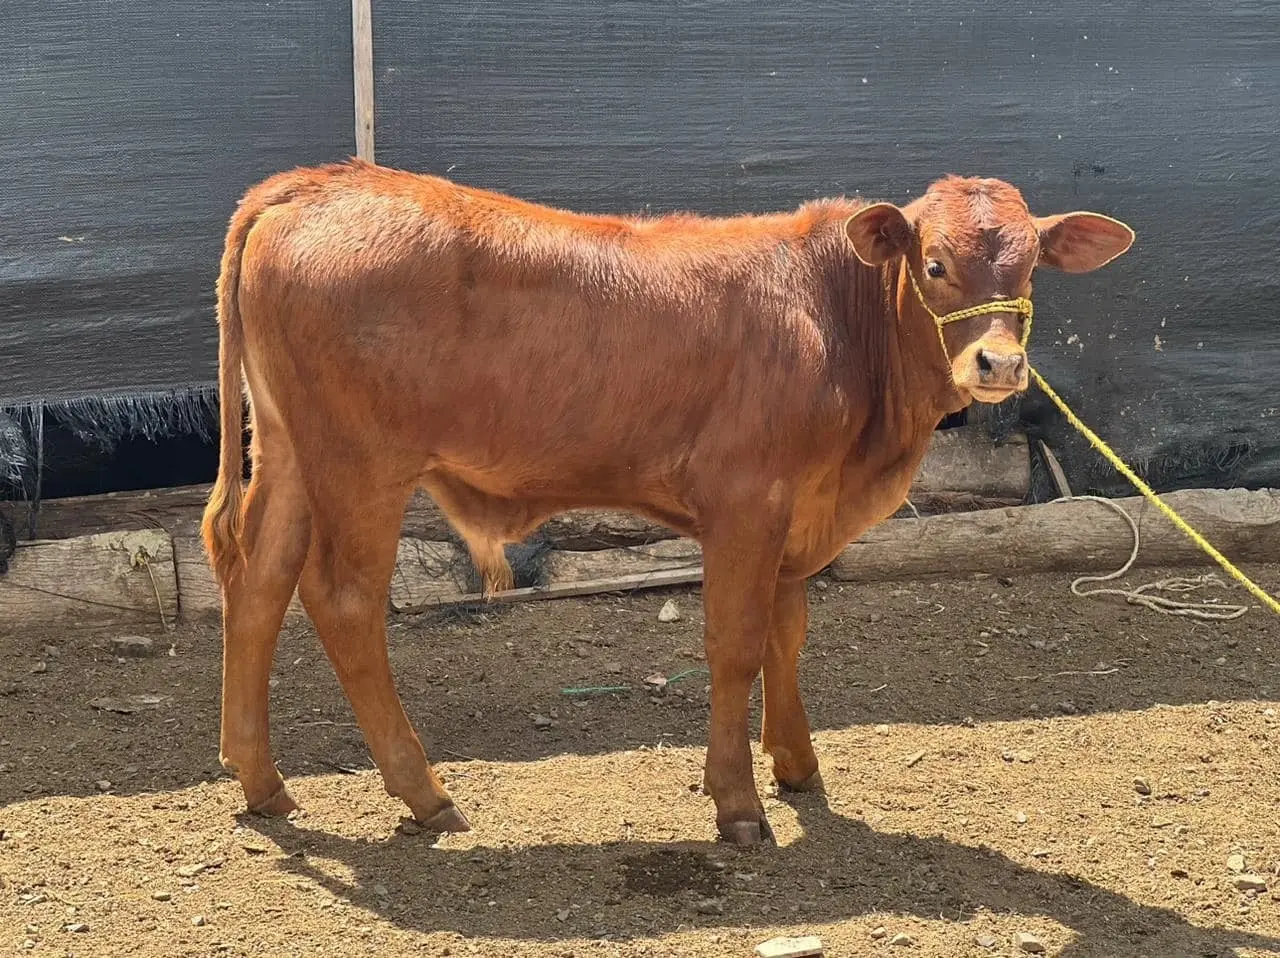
x=766, y=384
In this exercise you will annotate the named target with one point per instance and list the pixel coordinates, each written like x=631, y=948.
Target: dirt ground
x=1000, y=757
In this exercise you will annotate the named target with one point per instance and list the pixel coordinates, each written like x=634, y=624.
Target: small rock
x=380, y=891
x=914, y=759
x=1236, y=863
x=878, y=933
x=541, y=721
x=822, y=585
x=128, y=704
x=1142, y=786
x=986, y=941
x=199, y=921
x=1028, y=943
x=1020, y=818
x=657, y=682
x=709, y=906
x=902, y=940
x=1040, y=853
x=133, y=646
x=191, y=871
x=161, y=895
x=39, y=668
x=103, y=785
x=670, y=612
x=882, y=730
x=52, y=651
x=78, y=928
x=875, y=617
x=562, y=914
x=1250, y=883
x=28, y=944
x=802, y=947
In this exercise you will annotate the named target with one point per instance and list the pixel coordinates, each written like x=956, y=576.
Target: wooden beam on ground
x=1062, y=537
x=940, y=503
x=662, y=578
x=562, y=565
x=581, y=529
x=1078, y=536
x=1055, y=470
x=124, y=578
x=427, y=573
x=199, y=596
x=966, y=460
x=362, y=75
x=176, y=511
x=136, y=578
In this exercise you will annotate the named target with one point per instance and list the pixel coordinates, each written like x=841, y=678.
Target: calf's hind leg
x=785, y=729
x=277, y=530
x=344, y=589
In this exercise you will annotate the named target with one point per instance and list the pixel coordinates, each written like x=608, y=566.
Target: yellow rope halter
x=1023, y=307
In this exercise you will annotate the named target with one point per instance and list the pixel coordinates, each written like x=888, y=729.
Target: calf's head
x=969, y=247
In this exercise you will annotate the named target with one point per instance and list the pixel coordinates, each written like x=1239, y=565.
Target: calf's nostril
x=984, y=363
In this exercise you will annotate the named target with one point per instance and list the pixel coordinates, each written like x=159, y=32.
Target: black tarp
x=1163, y=115
x=128, y=129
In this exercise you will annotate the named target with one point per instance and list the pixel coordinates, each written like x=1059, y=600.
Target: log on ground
x=967, y=461
x=199, y=596
x=123, y=578
x=1076, y=536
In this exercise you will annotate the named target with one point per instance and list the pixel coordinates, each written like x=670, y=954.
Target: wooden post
x=362, y=69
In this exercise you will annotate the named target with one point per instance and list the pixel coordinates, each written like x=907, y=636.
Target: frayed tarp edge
x=104, y=420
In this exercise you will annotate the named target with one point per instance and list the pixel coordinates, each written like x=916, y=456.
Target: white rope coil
x=1145, y=595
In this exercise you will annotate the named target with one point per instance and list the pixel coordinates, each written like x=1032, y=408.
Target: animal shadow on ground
x=500, y=893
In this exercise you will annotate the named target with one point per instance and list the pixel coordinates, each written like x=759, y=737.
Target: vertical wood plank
x=362, y=70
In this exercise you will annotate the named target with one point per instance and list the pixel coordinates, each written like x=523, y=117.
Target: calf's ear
x=1080, y=242
x=879, y=232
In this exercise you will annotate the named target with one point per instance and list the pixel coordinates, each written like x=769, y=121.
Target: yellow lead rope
x=1023, y=306
x=1185, y=527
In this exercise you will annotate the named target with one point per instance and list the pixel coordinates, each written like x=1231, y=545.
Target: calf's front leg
x=740, y=572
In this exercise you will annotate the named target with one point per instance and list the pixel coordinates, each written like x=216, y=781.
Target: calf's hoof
x=813, y=783
x=279, y=804
x=748, y=833
x=448, y=819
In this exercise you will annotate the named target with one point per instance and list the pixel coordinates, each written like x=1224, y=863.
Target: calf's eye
x=935, y=269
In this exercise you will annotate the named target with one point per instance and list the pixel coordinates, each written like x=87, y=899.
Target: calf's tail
x=223, y=522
